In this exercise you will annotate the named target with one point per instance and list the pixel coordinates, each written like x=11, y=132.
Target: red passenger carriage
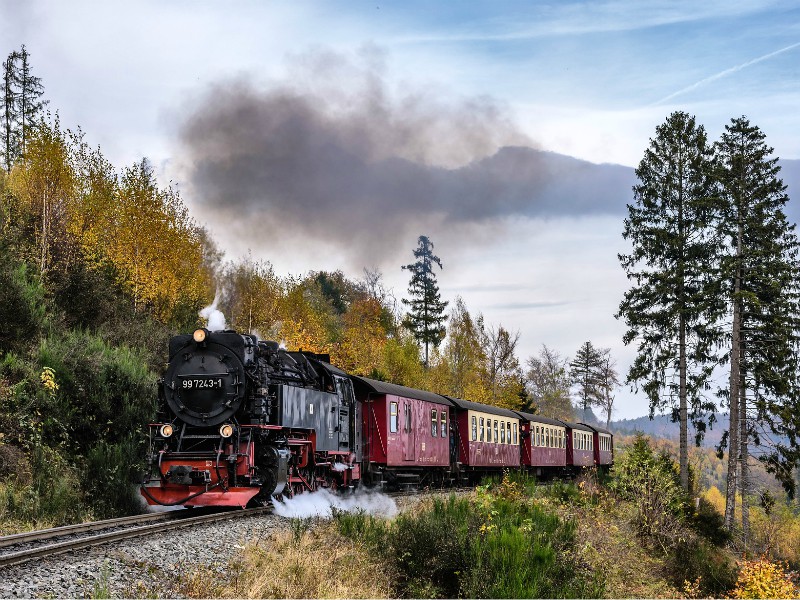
x=580, y=445
x=488, y=437
x=544, y=443
x=406, y=433
x=603, y=446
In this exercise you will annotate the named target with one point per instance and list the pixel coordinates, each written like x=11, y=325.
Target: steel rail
x=45, y=534
x=22, y=556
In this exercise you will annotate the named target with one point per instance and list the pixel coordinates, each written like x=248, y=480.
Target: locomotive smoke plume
x=214, y=317
x=321, y=503
x=337, y=157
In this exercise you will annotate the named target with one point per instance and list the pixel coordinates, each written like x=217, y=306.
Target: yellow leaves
x=48, y=379
x=764, y=579
x=715, y=498
x=363, y=338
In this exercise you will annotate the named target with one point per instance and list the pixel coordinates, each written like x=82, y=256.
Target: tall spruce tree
x=9, y=116
x=674, y=302
x=584, y=372
x=761, y=276
x=21, y=95
x=29, y=97
x=426, y=316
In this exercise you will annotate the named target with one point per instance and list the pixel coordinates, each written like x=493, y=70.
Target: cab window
x=393, y=417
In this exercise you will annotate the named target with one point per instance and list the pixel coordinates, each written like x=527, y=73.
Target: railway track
x=24, y=547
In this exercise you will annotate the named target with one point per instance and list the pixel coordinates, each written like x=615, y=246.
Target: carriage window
x=515, y=434
x=474, y=428
x=408, y=416
x=508, y=432
x=537, y=435
x=496, y=436
x=481, y=428
x=393, y=417
x=502, y=433
x=560, y=438
x=443, y=423
x=434, y=424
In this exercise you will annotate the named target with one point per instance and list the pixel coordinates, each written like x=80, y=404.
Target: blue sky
x=450, y=83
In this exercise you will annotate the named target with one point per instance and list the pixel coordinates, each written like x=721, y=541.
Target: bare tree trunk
x=744, y=470
x=684, y=417
x=734, y=447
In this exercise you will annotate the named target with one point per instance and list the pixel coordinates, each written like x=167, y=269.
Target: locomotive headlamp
x=226, y=430
x=166, y=430
x=199, y=335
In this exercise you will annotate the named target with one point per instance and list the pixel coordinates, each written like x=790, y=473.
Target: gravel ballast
x=136, y=567
x=145, y=566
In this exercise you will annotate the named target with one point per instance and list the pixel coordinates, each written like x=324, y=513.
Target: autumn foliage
x=762, y=578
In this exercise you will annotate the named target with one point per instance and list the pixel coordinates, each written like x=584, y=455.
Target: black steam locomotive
x=243, y=420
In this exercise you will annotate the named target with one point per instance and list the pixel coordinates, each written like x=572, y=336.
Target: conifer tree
x=20, y=93
x=584, y=372
x=674, y=302
x=9, y=89
x=761, y=276
x=29, y=97
x=426, y=317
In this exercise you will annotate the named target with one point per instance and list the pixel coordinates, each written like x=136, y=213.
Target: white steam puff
x=321, y=503
x=214, y=317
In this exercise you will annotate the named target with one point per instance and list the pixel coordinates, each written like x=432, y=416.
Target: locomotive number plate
x=201, y=383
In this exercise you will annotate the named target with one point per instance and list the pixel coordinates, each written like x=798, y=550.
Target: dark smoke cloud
x=335, y=154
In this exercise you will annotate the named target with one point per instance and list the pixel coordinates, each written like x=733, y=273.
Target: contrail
x=725, y=73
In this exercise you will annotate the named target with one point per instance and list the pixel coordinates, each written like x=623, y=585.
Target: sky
x=330, y=135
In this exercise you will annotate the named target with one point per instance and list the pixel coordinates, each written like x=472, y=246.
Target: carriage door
x=345, y=410
x=409, y=439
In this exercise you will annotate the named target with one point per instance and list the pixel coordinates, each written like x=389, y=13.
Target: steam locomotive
x=242, y=420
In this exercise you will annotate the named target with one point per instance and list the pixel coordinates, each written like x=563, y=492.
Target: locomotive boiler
x=242, y=420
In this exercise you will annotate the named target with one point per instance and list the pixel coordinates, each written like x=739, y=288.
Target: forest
x=101, y=263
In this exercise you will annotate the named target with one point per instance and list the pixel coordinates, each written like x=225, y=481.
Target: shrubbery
x=498, y=544
x=664, y=517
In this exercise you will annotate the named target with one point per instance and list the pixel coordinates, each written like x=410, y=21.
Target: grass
x=299, y=562
x=508, y=539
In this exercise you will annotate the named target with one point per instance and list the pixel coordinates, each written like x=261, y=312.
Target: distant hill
x=662, y=427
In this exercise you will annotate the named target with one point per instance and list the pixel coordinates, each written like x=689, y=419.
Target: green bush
x=650, y=481
x=696, y=560
x=498, y=544
x=22, y=306
x=52, y=497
